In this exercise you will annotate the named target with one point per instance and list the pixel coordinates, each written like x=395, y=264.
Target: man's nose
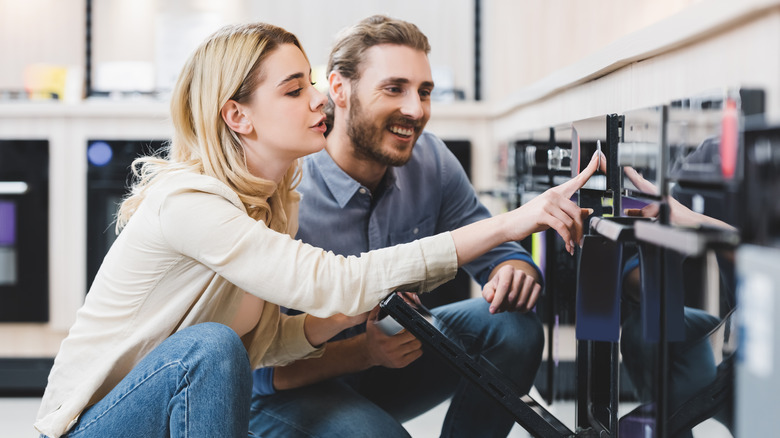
x=413, y=106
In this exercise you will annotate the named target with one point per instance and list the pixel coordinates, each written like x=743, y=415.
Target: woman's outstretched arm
x=552, y=209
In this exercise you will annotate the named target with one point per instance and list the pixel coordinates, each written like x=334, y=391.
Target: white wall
x=526, y=40
x=447, y=23
x=163, y=32
x=522, y=41
x=39, y=31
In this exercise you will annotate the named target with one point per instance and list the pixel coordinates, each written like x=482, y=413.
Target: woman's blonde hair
x=228, y=65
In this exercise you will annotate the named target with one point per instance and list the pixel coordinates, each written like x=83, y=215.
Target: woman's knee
x=218, y=346
x=216, y=335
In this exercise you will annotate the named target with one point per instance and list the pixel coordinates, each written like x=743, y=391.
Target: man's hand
x=395, y=351
x=512, y=287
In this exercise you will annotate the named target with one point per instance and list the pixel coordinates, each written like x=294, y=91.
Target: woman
x=186, y=291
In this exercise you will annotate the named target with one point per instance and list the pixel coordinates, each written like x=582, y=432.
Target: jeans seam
x=186, y=407
x=281, y=419
x=83, y=428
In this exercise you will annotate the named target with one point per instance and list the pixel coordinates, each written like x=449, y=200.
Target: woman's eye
x=295, y=93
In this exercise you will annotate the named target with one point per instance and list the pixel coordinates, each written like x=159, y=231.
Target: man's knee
x=524, y=332
x=327, y=408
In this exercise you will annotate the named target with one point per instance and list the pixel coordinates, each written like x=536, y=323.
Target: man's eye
x=295, y=93
x=425, y=94
x=394, y=89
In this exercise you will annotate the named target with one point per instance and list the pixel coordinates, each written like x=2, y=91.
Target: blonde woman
x=186, y=301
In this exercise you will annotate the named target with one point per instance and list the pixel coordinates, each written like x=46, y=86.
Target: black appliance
x=24, y=230
x=541, y=160
x=108, y=179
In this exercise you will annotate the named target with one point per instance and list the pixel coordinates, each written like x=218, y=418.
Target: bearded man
x=382, y=180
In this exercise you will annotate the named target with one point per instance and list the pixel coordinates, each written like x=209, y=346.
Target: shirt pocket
x=423, y=228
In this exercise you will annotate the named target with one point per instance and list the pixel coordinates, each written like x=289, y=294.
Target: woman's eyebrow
x=289, y=78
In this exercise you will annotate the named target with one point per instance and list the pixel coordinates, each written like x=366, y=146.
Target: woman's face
x=286, y=113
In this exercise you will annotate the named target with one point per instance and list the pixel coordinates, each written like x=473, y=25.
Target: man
x=382, y=181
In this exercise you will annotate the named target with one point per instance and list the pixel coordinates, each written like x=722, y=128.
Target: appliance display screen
x=7, y=243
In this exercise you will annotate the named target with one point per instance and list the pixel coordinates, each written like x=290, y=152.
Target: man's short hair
x=349, y=49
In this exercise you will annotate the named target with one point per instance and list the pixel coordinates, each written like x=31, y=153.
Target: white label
x=756, y=319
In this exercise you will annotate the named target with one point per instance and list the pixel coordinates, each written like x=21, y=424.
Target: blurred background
x=84, y=86
x=139, y=46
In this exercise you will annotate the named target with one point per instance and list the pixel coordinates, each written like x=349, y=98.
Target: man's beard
x=366, y=136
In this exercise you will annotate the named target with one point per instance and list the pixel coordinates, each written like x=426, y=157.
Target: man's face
x=390, y=104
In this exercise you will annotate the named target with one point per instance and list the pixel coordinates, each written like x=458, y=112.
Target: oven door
x=24, y=224
x=108, y=177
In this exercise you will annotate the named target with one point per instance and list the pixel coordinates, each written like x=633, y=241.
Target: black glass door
x=108, y=179
x=24, y=230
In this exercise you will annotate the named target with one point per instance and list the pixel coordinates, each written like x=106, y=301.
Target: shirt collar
x=341, y=185
x=390, y=180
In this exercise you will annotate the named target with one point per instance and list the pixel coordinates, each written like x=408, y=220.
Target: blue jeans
x=196, y=383
x=375, y=402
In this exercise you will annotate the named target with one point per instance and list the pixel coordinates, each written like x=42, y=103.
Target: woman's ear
x=233, y=115
x=338, y=89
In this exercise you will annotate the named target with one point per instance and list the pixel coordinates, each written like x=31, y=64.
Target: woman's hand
x=554, y=209
x=679, y=214
x=639, y=181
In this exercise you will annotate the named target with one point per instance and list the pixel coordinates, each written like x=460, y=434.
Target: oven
x=24, y=230
x=108, y=179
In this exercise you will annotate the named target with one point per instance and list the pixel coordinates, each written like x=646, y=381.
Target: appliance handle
x=13, y=187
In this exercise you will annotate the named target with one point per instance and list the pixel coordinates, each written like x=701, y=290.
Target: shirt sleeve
x=212, y=230
x=289, y=343
x=263, y=381
x=460, y=206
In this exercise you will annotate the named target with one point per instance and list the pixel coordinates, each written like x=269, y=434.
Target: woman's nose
x=318, y=100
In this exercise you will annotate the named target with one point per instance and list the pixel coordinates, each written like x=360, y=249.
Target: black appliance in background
x=108, y=179
x=24, y=230
x=541, y=163
x=462, y=151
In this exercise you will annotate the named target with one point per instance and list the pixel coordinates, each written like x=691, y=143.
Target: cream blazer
x=186, y=257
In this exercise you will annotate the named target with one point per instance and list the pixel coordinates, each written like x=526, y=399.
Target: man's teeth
x=401, y=131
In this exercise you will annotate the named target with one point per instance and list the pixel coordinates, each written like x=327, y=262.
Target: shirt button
x=362, y=191
x=416, y=230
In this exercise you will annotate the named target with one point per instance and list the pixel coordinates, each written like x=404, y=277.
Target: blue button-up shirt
x=428, y=195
